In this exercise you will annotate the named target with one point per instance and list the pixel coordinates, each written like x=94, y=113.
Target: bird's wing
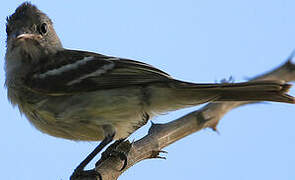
x=71, y=72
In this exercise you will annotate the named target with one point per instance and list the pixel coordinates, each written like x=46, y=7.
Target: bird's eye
x=43, y=28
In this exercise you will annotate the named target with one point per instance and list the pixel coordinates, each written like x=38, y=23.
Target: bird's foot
x=82, y=174
x=113, y=151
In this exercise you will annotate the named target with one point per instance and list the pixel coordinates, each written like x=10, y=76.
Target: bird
x=87, y=96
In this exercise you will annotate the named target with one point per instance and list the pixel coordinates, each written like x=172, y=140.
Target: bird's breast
x=81, y=116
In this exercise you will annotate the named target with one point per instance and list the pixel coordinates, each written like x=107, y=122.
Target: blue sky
x=199, y=41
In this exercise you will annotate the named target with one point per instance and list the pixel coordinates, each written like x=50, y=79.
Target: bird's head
x=30, y=32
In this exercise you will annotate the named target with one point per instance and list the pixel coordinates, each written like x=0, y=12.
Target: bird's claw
x=79, y=174
x=112, y=151
x=122, y=156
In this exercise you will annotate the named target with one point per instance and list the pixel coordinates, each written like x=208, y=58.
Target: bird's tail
x=182, y=94
x=248, y=91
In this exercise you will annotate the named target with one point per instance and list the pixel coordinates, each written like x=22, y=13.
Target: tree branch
x=162, y=135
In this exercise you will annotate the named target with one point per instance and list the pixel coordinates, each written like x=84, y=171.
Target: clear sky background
x=194, y=40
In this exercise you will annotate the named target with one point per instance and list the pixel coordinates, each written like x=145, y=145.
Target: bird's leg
x=112, y=151
x=79, y=171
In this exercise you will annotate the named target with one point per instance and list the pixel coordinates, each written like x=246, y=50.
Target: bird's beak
x=26, y=36
x=23, y=36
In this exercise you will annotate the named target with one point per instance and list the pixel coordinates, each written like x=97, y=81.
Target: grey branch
x=162, y=135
